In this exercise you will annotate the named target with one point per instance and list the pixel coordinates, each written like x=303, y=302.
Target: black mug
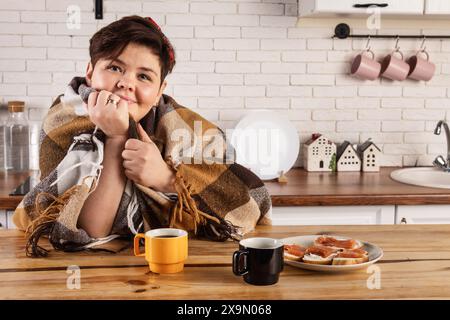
x=262, y=260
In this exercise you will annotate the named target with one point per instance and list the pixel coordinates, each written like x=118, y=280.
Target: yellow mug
x=166, y=249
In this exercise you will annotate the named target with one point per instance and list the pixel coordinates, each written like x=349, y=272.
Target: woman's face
x=134, y=76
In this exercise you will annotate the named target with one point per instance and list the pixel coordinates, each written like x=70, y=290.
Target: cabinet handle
x=367, y=5
x=403, y=221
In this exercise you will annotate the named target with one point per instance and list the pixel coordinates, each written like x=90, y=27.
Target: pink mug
x=394, y=68
x=421, y=69
x=364, y=67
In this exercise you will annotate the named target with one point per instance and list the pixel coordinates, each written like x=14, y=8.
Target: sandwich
x=294, y=252
x=328, y=250
x=320, y=255
x=341, y=244
x=353, y=256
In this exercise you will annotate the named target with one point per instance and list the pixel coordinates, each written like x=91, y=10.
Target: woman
x=160, y=163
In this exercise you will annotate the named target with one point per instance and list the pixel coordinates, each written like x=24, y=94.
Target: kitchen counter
x=415, y=265
x=351, y=188
x=310, y=189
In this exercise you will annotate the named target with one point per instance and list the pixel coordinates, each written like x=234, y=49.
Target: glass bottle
x=17, y=137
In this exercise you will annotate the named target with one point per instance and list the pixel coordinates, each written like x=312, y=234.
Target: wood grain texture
x=416, y=264
x=350, y=188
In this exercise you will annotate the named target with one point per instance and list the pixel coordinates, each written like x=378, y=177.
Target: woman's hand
x=111, y=118
x=144, y=164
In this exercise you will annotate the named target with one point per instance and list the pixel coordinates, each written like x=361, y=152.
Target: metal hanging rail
x=342, y=31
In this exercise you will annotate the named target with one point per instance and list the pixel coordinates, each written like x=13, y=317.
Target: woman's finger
x=133, y=144
x=92, y=100
x=105, y=97
x=128, y=164
x=102, y=97
x=99, y=107
x=122, y=106
x=128, y=154
x=143, y=134
x=129, y=174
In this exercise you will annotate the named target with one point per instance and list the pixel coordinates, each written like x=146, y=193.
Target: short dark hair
x=110, y=41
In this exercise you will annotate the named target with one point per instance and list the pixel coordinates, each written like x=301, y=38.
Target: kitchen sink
x=423, y=176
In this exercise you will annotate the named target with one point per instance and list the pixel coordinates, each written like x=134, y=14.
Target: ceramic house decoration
x=370, y=155
x=319, y=154
x=347, y=158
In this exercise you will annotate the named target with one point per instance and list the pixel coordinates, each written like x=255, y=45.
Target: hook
x=422, y=46
x=367, y=44
x=397, y=48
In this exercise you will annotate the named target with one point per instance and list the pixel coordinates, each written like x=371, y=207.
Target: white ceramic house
x=370, y=155
x=318, y=153
x=347, y=158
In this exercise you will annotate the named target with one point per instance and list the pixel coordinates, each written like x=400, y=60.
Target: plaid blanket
x=215, y=197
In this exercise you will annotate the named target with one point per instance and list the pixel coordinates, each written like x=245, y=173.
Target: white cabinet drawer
x=333, y=215
x=346, y=7
x=437, y=7
x=426, y=214
x=3, y=223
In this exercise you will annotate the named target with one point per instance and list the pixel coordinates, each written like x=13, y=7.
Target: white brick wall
x=235, y=56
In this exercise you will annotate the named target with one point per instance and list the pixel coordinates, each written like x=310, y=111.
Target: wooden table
x=416, y=264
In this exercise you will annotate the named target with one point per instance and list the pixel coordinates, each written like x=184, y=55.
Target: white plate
x=266, y=143
x=375, y=254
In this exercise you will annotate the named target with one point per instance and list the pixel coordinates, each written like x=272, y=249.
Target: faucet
x=440, y=162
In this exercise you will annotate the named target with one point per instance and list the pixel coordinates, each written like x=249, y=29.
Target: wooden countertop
x=309, y=189
x=350, y=188
x=415, y=265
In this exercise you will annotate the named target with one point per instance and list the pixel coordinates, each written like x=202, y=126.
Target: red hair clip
x=166, y=41
x=153, y=22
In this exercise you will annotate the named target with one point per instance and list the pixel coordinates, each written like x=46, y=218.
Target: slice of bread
x=294, y=252
x=292, y=257
x=319, y=255
x=354, y=256
x=316, y=259
x=327, y=240
x=347, y=261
